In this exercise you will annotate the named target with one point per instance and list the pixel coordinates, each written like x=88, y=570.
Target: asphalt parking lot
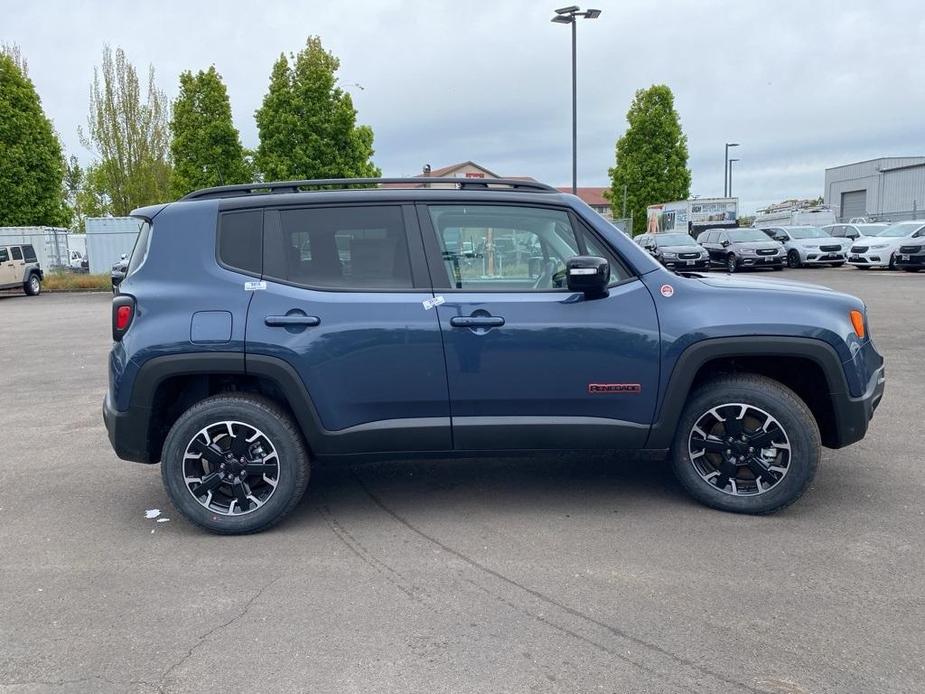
x=561, y=574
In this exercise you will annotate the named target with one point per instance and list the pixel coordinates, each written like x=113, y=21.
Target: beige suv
x=20, y=268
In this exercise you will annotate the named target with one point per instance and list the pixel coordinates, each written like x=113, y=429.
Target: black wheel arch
x=759, y=355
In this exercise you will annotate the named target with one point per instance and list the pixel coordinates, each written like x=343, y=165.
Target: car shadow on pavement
x=585, y=482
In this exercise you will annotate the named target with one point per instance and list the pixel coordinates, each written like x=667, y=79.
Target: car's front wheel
x=234, y=464
x=33, y=286
x=731, y=264
x=746, y=443
x=793, y=259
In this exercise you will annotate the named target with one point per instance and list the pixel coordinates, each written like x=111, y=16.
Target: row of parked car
x=900, y=245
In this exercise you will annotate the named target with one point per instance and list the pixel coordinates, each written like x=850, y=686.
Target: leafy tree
x=129, y=136
x=205, y=146
x=74, y=181
x=651, y=156
x=31, y=163
x=307, y=124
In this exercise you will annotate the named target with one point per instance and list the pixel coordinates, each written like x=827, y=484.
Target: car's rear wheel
x=747, y=444
x=793, y=259
x=33, y=286
x=731, y=264
x=234, y=464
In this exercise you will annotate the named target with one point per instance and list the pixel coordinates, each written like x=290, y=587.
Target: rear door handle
x=292, y=319
x=476, y=321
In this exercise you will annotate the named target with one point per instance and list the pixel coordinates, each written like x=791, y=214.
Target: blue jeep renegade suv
x=262, y=327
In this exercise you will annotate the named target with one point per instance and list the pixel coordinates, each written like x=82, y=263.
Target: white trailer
x=692, y=216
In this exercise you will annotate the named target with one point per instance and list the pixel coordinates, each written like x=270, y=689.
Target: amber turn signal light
x=857, y=320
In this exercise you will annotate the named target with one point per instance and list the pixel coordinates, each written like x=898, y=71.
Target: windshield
x=807, y=233
x=674, y=240
x=740, y=235
x=900, y=229
x=870, y=229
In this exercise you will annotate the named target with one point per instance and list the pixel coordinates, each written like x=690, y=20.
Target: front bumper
x=681, y=265
x=760, y=260
x=873, y=258
x=915, y=260
x=817, y=257
x=128, y=432
x=853, y=415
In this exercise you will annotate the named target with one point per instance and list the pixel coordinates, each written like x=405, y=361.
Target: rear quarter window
x=28, y=253
x=140, y=249
x=240, y=241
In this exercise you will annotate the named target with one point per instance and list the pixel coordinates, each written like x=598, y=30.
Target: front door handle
x=476, y=321
x=292, y=319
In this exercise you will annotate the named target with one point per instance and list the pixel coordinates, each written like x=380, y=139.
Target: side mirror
x=725, y=244
x=123, y=256
x=588, y=274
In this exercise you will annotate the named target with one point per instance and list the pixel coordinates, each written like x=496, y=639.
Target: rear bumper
x=853, y=415
x=128, y=432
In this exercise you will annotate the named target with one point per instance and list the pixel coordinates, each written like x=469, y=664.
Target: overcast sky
x=802, y=85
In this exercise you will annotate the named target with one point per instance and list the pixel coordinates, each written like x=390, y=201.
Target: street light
x=569, y=15
x=726, y=169
x=731, y=162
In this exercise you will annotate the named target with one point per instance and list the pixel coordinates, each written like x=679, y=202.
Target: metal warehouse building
x=888, y=189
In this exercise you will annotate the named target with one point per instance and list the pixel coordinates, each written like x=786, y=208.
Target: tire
x=731, y=264
x=776, y=489
x=33, y=285
x=226, y=413
x=793, y=259
x=892, y=265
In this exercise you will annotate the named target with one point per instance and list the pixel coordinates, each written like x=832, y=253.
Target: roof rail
x=352, y=183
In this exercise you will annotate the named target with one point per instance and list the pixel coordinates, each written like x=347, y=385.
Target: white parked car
x=847, y=233
x=880, y=250
x=807, y=245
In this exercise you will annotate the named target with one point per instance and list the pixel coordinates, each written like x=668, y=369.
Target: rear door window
x=348, y=247
x=4, y=255
x=16, y=252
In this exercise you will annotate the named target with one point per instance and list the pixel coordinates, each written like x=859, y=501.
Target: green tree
x=205, y=146
x=307, y=124
x=74, y=182
x=31, y=163
x=651, y=156
x=129, y=136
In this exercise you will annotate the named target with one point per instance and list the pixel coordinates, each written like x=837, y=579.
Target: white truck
x=794, y=213
x=692, y=216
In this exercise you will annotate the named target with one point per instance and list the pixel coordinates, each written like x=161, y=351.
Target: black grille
x=688, y=256
x=908, y=250
x=767, y=251
x=829, y=249
x=859, y=249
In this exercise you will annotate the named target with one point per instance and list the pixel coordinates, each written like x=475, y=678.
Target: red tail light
x=123, y=311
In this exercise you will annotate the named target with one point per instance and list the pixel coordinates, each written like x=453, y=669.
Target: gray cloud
x=802, y=85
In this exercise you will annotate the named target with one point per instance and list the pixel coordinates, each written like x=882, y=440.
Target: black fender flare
x=695, y=356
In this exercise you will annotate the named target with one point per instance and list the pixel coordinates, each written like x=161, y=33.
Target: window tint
x=349, y=247
x=29, y=254
x=501, y=247
x=4, y=256
x=16, y=252
x=240, y=240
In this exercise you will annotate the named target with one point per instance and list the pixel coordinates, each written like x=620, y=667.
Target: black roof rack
x=352, y=183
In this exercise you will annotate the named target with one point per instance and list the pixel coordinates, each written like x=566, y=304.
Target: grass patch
x=73, y=282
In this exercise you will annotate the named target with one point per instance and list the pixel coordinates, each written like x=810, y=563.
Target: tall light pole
x=731, y=162
x=726, y=169
x=569, y=15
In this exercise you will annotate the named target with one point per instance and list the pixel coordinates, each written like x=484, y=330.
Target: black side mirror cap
x=588, y=274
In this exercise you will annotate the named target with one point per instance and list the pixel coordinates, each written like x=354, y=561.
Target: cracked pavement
x=553, y=574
